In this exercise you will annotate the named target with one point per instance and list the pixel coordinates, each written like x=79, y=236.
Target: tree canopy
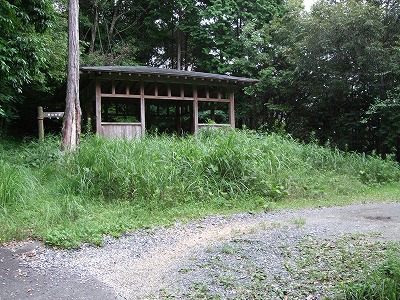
x=329, y=75
x=22, y=48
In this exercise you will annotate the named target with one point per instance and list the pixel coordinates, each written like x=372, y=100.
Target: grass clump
x=383, y=284
x=15, y=186
x=110, y=185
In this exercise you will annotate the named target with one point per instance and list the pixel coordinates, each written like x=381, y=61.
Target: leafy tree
x=324, y=69
x=198, y=35
x=221, y=34
x=22, y=49
x=383, y=117
x=109, y=29
x=274, y=48
x=347, y=62
x=170, y=30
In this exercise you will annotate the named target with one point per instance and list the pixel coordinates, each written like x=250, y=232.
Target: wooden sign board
x=53, y=114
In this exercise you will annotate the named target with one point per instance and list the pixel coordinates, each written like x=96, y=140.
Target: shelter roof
x=162, y=72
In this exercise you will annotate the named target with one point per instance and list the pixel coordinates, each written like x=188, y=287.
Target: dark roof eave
x=140, y=70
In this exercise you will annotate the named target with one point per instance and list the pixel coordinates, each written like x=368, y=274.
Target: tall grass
x=165, y=171
x=14, y=185
x=114, y=185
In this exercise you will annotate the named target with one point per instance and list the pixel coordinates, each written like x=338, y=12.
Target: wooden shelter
x=129, y=100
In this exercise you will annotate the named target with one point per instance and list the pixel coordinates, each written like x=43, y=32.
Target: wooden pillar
x=40, y=123
x=195, y=110
x=98, y=107
x=142, y=109
x=178, y=118
x=212, y=111
x=127, y=88
x=87, y=104
x=169, y=90
x=232, y=109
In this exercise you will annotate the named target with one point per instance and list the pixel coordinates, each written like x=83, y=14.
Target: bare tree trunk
x=113, y=23
x=94, y=26
x=179, y=50
x=72, y=117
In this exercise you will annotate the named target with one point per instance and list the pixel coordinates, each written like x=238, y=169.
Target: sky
x=308, y=4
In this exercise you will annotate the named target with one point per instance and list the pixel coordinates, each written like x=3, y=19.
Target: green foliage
x=17, y=184
x=150, y=172
x=382, y=284
x=342, y=267
x=317, y=74
x=122, y=53
x=110, y=186
x=12, y=190
x=22, y=49
x=321, y=71
x=384, y=116
x=315, y=267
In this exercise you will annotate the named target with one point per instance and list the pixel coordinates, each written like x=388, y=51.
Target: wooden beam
x=215, y=100
x=124, y=96
x=158, y=78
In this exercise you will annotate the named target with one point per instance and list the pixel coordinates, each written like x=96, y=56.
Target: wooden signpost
x=49, y=115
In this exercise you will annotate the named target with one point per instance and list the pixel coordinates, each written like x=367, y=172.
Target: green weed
x=16, y=185
x=382, y=284
x=160, y=179
x=298, y=222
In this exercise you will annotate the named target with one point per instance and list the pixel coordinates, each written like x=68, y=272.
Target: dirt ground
x=143, y=263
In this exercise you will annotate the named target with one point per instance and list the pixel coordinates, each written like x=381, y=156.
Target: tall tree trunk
x=113, y=23
x=179, y=50
x=72, y=117
x=94, y=26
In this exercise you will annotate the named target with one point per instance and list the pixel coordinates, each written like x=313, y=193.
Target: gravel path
x=201, y=259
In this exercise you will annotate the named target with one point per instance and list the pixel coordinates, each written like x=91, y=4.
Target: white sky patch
x=208, y=21
x=308, y=4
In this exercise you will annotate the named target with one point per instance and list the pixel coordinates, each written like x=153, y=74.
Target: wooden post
x=178, y=117
x=212, y=111
x=127, y=89
x=142, y=109
x=40, y=123
x=98, y=108
x=195, y=111
x=169, y=90
x=232, y=109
